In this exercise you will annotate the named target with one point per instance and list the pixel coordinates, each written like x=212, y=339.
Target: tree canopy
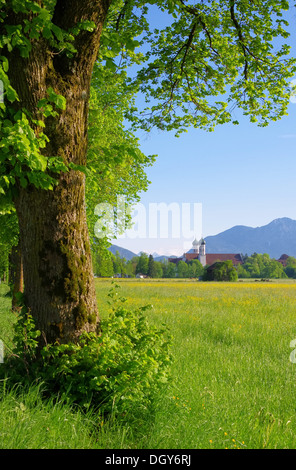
x=115, y=164
x=211, y=57
x=221, y=271
x=261, y=266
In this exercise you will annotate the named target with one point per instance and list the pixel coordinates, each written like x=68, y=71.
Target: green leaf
x=87, y=25
x=60, y=102
x=47, y=33
x=58, y=32
x=110, y=64
x=11, y=94
x=23, y=181
x=35, y=8
x=57, y=99
x=5, y=63
x=81, y=168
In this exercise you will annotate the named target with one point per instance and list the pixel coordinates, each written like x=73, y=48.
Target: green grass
x=6, y=316
x=232, y=385
x=28, y=422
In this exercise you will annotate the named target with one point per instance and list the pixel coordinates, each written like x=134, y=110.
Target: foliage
x=4, y=263
x=151, y=266
x=169, y=270
x=115, y=165
x=211, y=49
x=122, y=368
x=22, y=362
x=261, y=265
x=23, y=139
x=142, y=264
x=196, y=269
x=8, y=233
x=191, y=269
x=102, y=261
x=119, y=264
x=145, y=264
x=182, y=269
x=205, y=50
x=221, y=271
x=155, y=269
x=254, y=266
x=290, y=268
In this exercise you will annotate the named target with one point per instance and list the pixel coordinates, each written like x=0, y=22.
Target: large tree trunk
x=59, y=284
x=58, y=277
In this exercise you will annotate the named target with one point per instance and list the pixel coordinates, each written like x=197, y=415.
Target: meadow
x=232, y=386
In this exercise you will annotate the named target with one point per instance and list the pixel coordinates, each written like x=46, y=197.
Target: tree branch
x=121, y=14
x=197, y=14
x=68, y=14
x=241, y=38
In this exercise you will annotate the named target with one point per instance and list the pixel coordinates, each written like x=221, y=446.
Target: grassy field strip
x=233, y=383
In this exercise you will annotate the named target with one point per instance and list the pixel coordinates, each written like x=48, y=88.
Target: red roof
x=213, y=258
x=283, y=260
x=190, y=256
x=174, y=260
x=284, y=257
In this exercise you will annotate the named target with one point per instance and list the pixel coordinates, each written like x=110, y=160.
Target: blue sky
x=242, y=175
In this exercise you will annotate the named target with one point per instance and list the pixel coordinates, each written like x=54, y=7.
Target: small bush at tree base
x=122, y=368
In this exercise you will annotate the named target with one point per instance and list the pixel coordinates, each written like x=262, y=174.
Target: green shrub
x=21, y=363
x=122, y=368
x=221, y=271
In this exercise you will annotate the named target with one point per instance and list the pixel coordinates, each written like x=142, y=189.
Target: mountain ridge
x=275, y=238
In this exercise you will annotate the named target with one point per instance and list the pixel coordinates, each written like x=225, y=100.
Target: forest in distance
x=254, y=266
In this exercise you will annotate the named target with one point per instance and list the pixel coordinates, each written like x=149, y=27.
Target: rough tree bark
x=58, y=277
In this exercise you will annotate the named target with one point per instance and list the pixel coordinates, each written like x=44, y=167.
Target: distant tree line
x=114, y=265
x=262, y=266
x=106, y=264
x=254, y=266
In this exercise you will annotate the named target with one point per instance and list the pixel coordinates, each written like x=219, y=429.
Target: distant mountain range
x=276, y=238
x=123, y=252
x=128, y=255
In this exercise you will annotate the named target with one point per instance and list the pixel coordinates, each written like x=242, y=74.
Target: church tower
x=195, y=246
x=202, y=253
